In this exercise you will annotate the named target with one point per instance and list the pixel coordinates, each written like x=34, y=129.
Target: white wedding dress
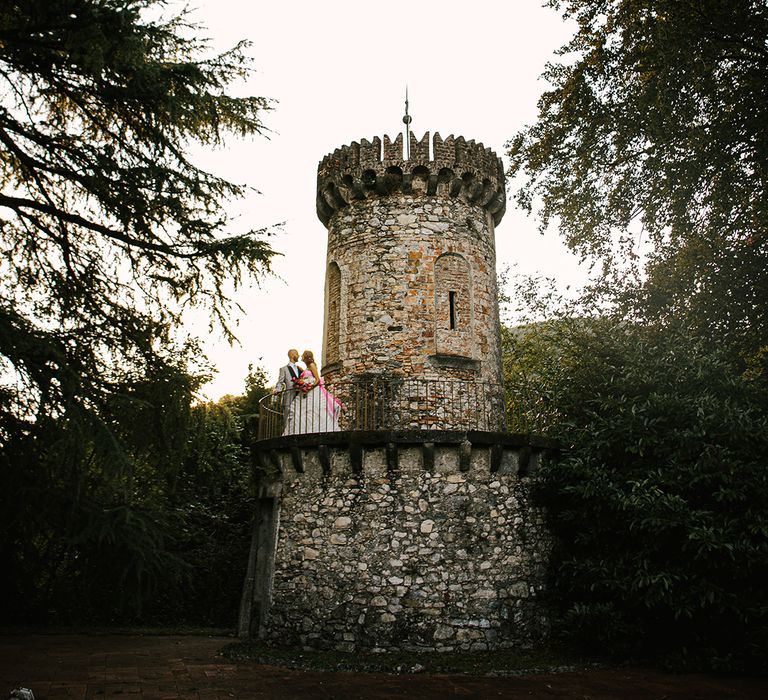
x=314, y=411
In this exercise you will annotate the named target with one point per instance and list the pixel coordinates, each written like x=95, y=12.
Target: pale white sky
x=338, y=71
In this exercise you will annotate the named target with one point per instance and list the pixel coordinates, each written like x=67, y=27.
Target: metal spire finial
x=407, y=122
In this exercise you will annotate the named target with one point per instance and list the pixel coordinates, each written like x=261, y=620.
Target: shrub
x=658, y=500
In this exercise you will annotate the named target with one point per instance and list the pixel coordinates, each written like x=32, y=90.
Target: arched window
x=453, y=305
x=332, y=314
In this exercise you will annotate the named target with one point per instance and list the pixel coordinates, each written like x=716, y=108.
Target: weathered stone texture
x=409, y=535
x=457, y=168
x=411, y=277
x=400, y=257
x=408, y=559
x=453, y=306
x=333, y=313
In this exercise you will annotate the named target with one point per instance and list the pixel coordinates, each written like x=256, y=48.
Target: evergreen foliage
x=212, y=499
x=165, y=541
x=107, y=233
x=108, y=230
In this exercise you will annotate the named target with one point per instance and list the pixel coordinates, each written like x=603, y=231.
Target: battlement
x=457, y=168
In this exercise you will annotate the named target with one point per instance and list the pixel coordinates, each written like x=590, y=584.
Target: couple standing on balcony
x=308, y=407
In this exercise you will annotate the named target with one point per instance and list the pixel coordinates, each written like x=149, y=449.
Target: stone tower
x=409, y=524
x=411, y=270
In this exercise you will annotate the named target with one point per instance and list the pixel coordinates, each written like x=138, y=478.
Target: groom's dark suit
x=286, y=385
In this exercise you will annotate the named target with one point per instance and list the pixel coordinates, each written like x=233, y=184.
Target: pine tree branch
x=18, y=203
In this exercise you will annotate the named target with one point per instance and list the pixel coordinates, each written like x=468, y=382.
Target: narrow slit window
x=452, y=310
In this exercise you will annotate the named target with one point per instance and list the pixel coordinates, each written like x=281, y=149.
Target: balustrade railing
x=384, y=404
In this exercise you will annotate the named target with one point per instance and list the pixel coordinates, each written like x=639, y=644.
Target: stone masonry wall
x=332, y=313
x=411, y=237
x=408, y=559
x=454, y=317
x=394, y=317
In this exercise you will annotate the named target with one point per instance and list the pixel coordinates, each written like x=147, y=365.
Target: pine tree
x=107, y=232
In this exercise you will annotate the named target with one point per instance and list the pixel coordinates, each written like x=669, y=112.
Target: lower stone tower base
x=420, y=540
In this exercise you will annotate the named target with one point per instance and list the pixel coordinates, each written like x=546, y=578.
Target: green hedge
x=659, y=500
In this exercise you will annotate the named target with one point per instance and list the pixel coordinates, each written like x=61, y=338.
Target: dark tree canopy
x=657, y=500
x=656, y=130
x=108, y=230
x=650, y=153
x=107, y=233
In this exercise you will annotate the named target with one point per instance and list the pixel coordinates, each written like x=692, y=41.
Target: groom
x=285, y=383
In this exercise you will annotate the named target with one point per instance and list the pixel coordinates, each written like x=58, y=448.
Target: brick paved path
x=132, y=666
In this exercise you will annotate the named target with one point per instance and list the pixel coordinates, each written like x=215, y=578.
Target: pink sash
x=332, y=404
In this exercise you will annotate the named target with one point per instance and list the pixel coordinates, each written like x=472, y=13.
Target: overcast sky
x=337, y=71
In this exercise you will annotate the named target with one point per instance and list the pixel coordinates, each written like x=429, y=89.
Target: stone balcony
x=396, y=416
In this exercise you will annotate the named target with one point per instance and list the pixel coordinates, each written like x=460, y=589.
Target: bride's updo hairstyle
x=308, y=357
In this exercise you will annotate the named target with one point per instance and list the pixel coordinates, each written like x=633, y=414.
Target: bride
x=315, y=409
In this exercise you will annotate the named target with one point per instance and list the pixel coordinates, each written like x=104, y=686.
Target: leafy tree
x=246, y=407
x=87, y=533
x=212, y=500
x=653, y=137
x=650, y=154
x=657, y=500
x=107, y=233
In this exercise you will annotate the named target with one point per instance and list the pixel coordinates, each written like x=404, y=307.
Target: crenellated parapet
x=369, y=169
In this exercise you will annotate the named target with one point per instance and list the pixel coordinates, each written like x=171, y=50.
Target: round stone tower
x=411, y=270
x=409, y=523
